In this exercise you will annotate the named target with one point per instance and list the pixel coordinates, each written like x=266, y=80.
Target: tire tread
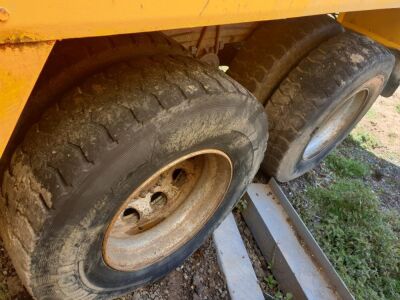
x=275, y=48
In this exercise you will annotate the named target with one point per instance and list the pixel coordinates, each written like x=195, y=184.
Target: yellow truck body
x=28, y=30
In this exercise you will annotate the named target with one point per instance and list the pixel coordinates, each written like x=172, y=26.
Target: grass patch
x=360, y=239
x=365, y=140
x=346, y=167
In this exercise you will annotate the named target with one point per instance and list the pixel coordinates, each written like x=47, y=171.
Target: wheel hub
x=335, y=124
x=167, y=210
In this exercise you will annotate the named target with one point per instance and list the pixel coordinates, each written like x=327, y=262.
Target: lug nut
x=158, y=198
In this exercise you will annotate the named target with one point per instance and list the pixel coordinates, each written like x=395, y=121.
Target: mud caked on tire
x=97, y=147
x=321, y=100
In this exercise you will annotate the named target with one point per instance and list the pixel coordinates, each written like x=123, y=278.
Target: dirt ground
x=198, y=278
x=378, y=136
x=382, y=126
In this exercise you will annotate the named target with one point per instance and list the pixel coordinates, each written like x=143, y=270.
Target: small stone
x=197, y=280
x=196, y=297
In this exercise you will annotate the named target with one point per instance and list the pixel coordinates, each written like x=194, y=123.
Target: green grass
x=371, y=114
x=346, y=167
x=398, y=108
x=360, y=239
x=365, y=140
x=241, y=205
x=272, y=284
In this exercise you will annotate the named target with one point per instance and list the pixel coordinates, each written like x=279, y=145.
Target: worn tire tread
x=275, y=48
x=308, y=86
x=72, y=60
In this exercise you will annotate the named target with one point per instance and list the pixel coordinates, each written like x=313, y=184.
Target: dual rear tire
x=316, y=83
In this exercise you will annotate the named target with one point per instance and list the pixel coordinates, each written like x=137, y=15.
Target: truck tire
x=393, y=82
x=321, y=100
x=73, y=60
x=146, y=157
x=275, y=48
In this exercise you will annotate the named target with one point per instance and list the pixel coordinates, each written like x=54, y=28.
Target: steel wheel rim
x=167, y=210
x=335, y=124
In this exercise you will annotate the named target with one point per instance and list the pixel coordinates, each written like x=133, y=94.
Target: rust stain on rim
x=167, y=210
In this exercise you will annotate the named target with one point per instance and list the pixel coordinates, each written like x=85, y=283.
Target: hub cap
x=167, y=210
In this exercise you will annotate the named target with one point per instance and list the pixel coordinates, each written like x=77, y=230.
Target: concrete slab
x=235, y=262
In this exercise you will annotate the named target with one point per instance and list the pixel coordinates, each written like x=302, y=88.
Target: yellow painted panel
x=381, y=25
x=20, y=66
x=28, y=20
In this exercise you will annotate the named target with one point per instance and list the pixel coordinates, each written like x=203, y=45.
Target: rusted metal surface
x=167, y=210
x=56, y=19
x=20, y=66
